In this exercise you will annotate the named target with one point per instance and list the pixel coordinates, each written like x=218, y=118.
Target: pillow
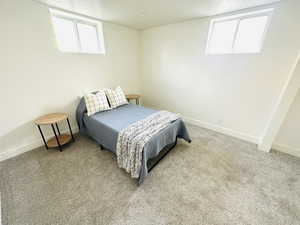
x=96, y=102
x=116, y=97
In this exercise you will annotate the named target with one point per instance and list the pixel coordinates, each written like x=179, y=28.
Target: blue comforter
x=104, y=128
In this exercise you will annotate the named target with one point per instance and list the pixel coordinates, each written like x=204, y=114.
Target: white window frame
x=239, y=17
x=81, y=20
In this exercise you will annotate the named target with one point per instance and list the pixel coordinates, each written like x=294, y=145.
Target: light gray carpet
x=0, y=211
x=215, y=180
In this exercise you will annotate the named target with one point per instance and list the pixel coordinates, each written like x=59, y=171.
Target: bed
x=104, y=127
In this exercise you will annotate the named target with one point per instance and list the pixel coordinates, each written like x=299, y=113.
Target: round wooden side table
x=133, y=97
x=59, y=139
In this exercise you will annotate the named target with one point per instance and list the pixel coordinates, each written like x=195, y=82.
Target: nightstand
x=59, y=139
x=134, y=97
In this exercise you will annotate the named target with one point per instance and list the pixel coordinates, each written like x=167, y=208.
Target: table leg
x=60, y=149
x=43, y=136
x=57, y=128
x=70, y=129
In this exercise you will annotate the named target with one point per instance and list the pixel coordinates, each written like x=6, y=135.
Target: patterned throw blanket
x=132, y=139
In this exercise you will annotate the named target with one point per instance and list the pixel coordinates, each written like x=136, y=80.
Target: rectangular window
x=241, y=33
x=77, y=34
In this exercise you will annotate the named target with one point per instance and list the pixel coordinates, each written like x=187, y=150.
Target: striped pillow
x=96, y=102
x=116, y=97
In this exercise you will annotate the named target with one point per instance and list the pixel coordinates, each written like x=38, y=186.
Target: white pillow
x=96, y=102
x=116, y=97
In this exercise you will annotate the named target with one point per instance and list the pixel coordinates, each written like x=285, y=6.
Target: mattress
x=105, y=126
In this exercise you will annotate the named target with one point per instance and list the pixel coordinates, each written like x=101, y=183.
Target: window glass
x=88, y=38
x=250, y=34
x=65, y=34
x=223, y=36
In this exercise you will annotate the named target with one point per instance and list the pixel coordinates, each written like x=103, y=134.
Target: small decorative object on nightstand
x=59, y=139
x=134, y=97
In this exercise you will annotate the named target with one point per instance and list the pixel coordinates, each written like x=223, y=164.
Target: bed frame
x=154, y=161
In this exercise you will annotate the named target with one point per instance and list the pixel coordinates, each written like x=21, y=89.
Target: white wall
x=281, y=109
x=35, y=78
x=231, y=93
x=288, y=138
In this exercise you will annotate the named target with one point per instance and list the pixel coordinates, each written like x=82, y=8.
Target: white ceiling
x=142, y=14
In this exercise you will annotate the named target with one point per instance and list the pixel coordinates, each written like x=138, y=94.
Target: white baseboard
x=27, y=147
x=222, y=130
x=287, y=149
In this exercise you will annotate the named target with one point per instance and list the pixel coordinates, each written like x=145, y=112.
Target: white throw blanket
x=132, y=139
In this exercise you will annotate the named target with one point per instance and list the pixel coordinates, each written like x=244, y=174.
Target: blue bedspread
x=104, y=128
